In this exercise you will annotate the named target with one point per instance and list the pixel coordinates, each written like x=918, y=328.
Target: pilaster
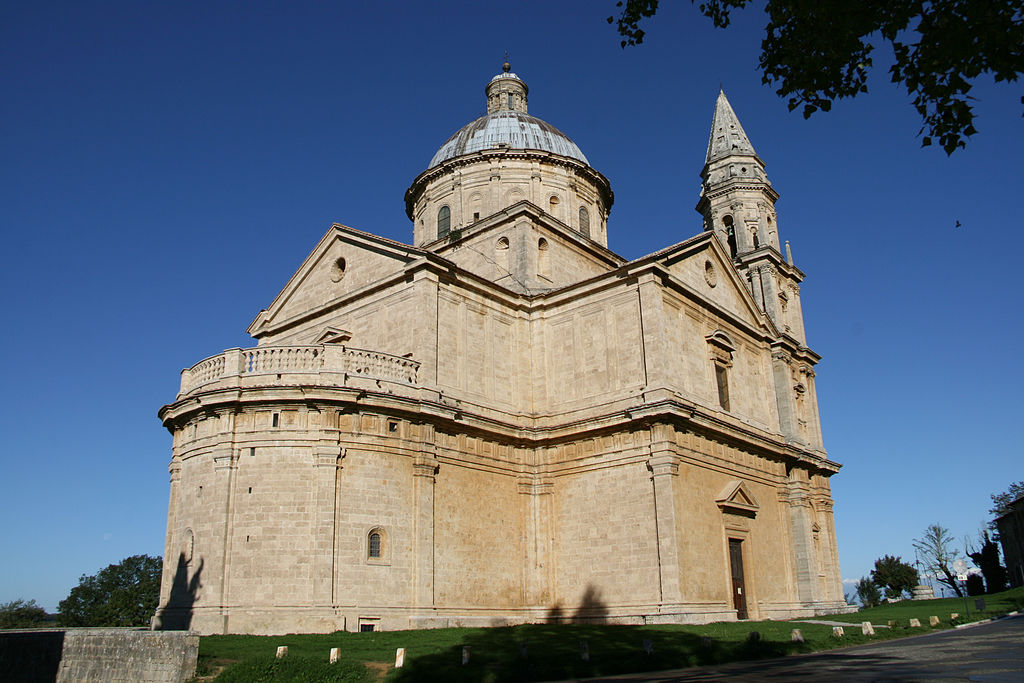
x=425, y=468
x=801, y=523
x=225, y=467
x=537, y=495
x=663, y=464
x=327, y=465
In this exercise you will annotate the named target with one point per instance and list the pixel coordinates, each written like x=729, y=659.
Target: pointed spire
x=727, y=135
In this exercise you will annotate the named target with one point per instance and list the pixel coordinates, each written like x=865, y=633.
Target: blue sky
x=165, y=167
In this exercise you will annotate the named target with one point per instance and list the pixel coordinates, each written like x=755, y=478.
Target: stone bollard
x=706, y=642
x=867, y=629
x=933, y=621
x=335, y=655
x=838, y=632
x=915, y=623
x=584, y=651
x=466, y=650
x=648, y=646
x=796, y=636
x=892, y=623
x=400, y=658
x=282, y=651
x=953, y=616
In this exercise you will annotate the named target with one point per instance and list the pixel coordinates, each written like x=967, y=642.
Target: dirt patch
x=378, y=669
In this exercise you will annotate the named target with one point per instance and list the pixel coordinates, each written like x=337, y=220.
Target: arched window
x=553, y=206
x=730, y=232
x=721, y=348
x=444, y=221
x=373, y=549
x=753, y=235
x=543, y=265
x=584, y=222
x=501, y=255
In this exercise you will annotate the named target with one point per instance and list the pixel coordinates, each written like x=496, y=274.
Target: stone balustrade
x=293, y=360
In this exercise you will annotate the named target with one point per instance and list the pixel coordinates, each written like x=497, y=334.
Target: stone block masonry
x=98, y=655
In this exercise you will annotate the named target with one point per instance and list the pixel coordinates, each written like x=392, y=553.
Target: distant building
x=508, y=422
x=1011, y=536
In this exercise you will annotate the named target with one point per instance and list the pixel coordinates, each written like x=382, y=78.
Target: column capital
x=663, y=464
x=224, y=458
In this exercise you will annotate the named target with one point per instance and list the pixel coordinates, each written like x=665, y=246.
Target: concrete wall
x=98, y=655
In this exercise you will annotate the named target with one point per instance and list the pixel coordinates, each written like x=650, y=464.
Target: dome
x=507, y=128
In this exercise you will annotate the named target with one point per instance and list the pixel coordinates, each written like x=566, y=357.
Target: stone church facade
x=507, y=421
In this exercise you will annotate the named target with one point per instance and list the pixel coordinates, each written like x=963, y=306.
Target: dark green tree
x=21, y=614
x=868, y=593
x=123, y=594
x=820, y=51
x=894, y=575
x=1001, y=501
x=987, y=560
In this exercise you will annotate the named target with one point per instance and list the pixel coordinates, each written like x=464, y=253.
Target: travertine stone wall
x=98, y=655
x=560, y=452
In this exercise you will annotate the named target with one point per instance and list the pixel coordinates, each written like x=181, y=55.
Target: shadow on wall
x=30, y=656
x=177, y=613
x=591, y=610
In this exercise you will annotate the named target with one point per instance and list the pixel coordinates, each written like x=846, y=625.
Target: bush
x=868, y=593
x=21, y=614
x=975, y=585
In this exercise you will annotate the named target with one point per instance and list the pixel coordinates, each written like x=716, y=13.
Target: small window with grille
x=376, y=546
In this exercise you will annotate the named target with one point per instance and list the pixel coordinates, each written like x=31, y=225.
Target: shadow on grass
x=589, y=647
x=545, y=652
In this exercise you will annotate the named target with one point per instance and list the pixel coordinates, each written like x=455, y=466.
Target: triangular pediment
x=333, y=335
x=737, y=498
x=702, y=266
x=522, y=210
x=343, y=262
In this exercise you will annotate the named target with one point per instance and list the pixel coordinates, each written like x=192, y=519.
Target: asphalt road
x=988, y=652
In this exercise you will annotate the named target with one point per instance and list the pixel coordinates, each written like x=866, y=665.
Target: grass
x=995, y=605
x=553, y=651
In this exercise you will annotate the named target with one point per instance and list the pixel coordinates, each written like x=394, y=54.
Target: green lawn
x=553, y=651
x=995, y=605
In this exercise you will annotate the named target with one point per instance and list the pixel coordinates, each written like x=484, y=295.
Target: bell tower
x=738, y=202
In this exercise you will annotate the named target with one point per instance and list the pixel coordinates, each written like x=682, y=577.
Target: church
x=507, y=422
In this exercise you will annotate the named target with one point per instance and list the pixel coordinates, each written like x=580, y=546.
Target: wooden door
x=739, y=591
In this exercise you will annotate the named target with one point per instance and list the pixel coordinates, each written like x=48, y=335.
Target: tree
x=938, y=554
x=987, y=560
x=868, y=593
x=894, y=575
x=1001, y=501
x=123, y=594
x=21, y=614
x=817, y=52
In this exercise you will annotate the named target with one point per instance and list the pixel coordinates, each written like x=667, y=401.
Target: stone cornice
x=770, y=255
x=428, y=176
x=515, y=429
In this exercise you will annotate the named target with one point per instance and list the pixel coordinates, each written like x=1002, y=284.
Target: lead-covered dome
x=512, y=129
x=503, y=159
x=507, y=125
